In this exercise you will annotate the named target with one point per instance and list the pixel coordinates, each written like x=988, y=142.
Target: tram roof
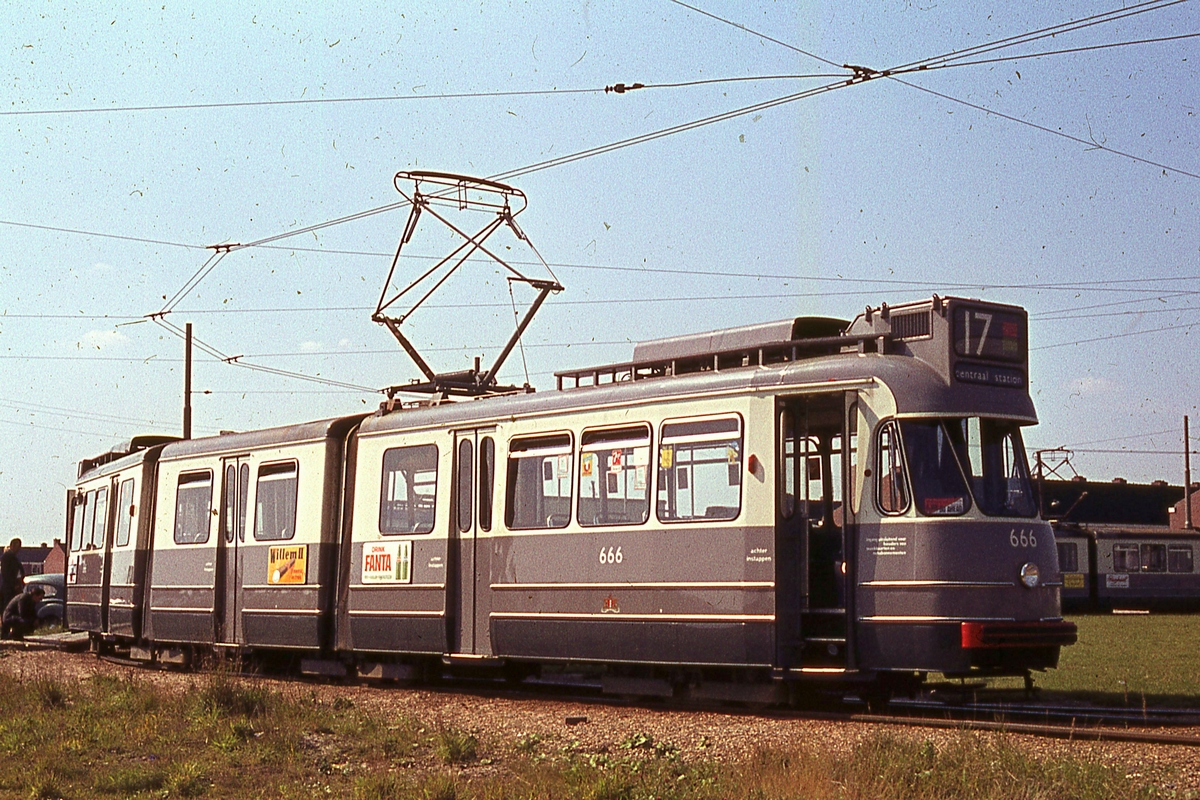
x=916, y=386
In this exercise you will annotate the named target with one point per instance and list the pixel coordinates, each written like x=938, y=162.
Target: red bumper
x=976, y=635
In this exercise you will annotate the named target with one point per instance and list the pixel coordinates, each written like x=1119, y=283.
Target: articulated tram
x=751, y=507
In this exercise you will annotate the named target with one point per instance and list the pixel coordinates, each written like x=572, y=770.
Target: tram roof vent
x=912, y=325
x=730, y=348
x=746, y=337
x=126, y=448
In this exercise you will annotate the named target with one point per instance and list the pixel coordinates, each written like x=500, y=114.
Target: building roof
x=1117, y=502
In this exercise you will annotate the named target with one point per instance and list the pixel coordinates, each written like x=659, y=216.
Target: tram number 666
x=1022, y=538
x=611, y=556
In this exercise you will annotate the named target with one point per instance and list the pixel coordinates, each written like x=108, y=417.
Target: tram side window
x=538, y=491
x=81, y=526
x=893, y=485
x=700, y=470
x=275, y=502
x=101, y=527
x=1068, y=557
x=613, y=467
x=1154, y=558
x=1179, y=558
x=1125, y=558
x=193, y=507
x=464, y=489
x=125, y=512
x=409, y=492
x=487, y=480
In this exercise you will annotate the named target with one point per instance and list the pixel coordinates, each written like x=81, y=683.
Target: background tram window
x=700, y=470
x=538, y=491
x=409, y=491
x=275, y=502
x=125, y=512
x=613, y=486
x=1179, y=558
x=1154, y=558
x=1125, y=558
x=101, y=527
x=193, y=508
x=1068, y=557
x=893, y=485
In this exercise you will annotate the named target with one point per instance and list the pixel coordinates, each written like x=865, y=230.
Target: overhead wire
x=299, y=101
x=58, y=429
x=95, y=416
x=238, y=362
x=221, y=250
x=1065, y=51
x=1050, y=31
x=1090, y=143
x=1011, y=41
x=1050, y=314
x=1129, y=313
x=759, y=34
x=1186, y=328
x=139, y=239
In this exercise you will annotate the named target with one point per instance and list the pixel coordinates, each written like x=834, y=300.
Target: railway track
x=1069, y=721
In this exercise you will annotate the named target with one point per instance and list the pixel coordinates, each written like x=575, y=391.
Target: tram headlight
x=1029, y=575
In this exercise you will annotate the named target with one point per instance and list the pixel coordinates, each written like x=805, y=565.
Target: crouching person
x=20, y=615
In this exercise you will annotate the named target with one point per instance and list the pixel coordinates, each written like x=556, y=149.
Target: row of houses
x=44, y=558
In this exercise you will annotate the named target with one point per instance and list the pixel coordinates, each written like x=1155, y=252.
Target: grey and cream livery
x=741, y=508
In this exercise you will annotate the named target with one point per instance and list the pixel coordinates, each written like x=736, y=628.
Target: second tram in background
x=726, y=514
x=1128, y=567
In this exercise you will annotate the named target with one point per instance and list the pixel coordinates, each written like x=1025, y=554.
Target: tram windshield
x=948, y=455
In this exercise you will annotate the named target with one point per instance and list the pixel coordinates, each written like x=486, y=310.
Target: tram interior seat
x=720, y=512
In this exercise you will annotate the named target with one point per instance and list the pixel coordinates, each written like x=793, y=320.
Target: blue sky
x=877, y=192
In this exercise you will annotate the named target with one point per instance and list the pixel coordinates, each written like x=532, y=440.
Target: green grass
x=1129, y=659
x=228, y=737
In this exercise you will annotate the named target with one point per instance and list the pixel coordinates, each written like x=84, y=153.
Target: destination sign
x=989, y=375
x=990, y=335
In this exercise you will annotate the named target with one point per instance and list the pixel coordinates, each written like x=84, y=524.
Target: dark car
x=50, y=611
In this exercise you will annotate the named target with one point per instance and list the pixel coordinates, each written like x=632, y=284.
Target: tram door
x=227, y=591
x=469, y=591
x=811, y=574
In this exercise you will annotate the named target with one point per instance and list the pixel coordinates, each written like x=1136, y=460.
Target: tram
x=735, y=511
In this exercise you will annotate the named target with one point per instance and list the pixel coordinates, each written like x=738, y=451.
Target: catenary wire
x=400, y=98
x=1186, y=328
x=300, y=101
x=1058, y=29
x=1044, y=54
x=1091, y=144
x=755, y=33
x=1055, y=30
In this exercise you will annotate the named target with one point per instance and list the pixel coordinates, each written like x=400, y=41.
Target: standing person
x=20, y=615
x=12, y=573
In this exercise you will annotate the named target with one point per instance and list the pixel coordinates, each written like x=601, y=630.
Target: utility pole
x=1187, y=476
x=187, y=384
x=1041, y=485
